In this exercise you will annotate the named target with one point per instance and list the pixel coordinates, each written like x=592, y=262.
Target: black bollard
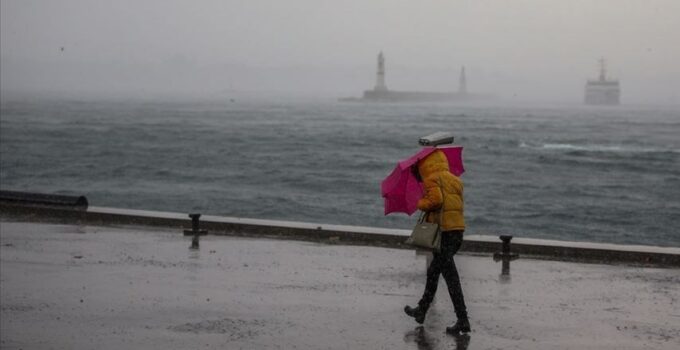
x=505, y=255
x=195, y=230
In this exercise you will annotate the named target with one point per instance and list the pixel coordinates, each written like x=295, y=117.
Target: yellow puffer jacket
x=434, y=170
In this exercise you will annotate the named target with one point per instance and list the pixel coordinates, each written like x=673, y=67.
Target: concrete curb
x=339, y=234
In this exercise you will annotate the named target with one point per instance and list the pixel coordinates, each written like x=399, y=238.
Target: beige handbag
x=425, y=234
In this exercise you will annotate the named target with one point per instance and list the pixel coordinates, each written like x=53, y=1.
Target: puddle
x=235, y=329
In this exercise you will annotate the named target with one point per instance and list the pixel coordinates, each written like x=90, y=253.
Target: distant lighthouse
x=380, y=93
x=380, y=77
x=462, y=82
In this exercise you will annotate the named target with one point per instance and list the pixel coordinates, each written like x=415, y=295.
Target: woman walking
x=443, y=193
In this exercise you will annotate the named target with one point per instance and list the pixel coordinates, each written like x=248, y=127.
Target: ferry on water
x=602, y=91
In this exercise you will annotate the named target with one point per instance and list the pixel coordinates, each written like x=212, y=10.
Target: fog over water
x=531, y=50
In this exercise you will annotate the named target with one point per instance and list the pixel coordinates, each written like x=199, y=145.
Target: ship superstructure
x=602, y=91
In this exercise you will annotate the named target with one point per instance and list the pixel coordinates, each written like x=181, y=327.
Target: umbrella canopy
x=401, y=190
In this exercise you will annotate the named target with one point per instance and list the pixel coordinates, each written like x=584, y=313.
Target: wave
x=599, y=148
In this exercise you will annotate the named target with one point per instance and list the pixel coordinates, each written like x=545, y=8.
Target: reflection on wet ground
x=426, y=341
x=73, y=287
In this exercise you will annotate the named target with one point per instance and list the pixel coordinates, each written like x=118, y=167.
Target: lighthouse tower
x=462, y=82
x=380, y=77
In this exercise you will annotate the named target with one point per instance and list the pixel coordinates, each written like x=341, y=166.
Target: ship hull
x=602, y=93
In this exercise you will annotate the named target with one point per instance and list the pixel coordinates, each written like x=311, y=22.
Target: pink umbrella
x=402, y=191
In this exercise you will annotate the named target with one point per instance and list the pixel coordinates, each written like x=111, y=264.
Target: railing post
x=505, y=255
x=195, y=230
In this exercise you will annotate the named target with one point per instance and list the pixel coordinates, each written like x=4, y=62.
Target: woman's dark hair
x=416, y=173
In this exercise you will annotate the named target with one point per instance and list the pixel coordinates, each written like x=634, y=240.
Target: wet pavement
x=86, y=287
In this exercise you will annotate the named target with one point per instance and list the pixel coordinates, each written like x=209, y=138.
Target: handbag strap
x=421, y=219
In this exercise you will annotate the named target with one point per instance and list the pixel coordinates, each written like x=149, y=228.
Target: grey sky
x=518, y=49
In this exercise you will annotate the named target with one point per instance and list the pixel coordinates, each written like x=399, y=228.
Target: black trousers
x=442, y=263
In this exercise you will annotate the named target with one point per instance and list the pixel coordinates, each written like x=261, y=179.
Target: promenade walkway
x=89, y=287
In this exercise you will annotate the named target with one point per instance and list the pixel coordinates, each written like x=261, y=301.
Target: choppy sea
x=608, y=174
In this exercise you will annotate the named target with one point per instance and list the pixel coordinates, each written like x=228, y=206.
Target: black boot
x=416, y=312
x=461, y=326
